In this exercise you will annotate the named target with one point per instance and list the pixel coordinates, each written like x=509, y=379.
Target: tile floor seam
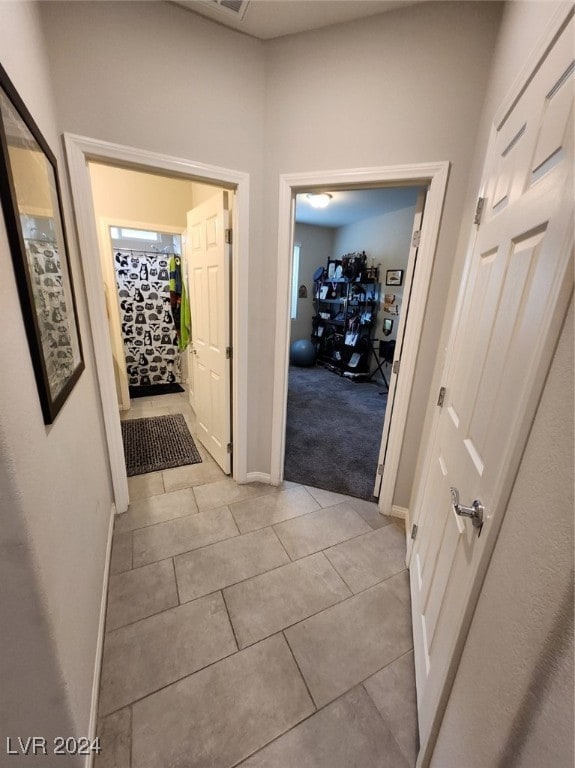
x=273, y=489
x=172, y=682
x=305, y=719
x=235, y=583
x=388, y=725
x=313, y=701
x=324, y=551
x=161, y=522
x=288, y=626
x=176, y=580
x=379, y=581
x=187, y=552
x=230, y=620
x=331, y=546
x=280, y=542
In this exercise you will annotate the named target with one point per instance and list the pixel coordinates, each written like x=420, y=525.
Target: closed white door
x=209, y=290
x=518, y=280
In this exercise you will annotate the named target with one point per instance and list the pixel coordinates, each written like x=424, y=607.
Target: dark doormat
x=155, y=389
x=160, y=442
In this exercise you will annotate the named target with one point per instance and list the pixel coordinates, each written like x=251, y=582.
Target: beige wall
x=403, y=87
x=512, y=701
x=316, y=248
x=54, y=484
x=154, y=76
x=408, y=89
x=135, y=196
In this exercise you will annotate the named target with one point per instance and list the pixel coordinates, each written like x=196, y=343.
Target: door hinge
x=228, y=353
x=441, y=397
x=413, y=531
x=479, y=210
x=415, y=240
x=380, y=469
x=228, y=236
x=230, y=447
x=395, y=368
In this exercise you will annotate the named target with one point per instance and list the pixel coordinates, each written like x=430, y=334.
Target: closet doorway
x=351, y=286
x=396, y=438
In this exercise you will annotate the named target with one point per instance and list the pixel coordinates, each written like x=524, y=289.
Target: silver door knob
x=474, y=512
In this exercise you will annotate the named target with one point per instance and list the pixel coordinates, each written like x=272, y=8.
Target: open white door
x=518, y=281
x=411, y=264
x=209, y=289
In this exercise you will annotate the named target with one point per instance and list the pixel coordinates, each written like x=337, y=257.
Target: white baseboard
x=258, y=477
x=93, y=726
x=400, y=512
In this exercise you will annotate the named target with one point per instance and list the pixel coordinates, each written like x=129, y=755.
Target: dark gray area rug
x=160, y=442
x=333, y=431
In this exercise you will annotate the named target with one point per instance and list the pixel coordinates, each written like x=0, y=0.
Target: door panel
x=209, y=271
x=503, y=340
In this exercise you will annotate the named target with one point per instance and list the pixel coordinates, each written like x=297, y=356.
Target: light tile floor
x=254, y=626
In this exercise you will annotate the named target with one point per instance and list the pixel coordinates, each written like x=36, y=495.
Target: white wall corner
x=93, y=724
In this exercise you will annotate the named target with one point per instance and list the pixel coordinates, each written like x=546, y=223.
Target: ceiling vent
x=236, y=8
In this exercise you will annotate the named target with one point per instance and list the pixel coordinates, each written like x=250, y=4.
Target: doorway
x=350, y=290
x=80, y=151
x=433, y=177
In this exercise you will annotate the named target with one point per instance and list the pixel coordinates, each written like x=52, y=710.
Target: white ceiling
x=350, y=206
x=266, y=19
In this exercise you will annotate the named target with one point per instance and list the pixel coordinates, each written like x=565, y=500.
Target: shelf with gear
x=346, y=300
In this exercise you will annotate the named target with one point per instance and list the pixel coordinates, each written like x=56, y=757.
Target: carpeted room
x=348, y=294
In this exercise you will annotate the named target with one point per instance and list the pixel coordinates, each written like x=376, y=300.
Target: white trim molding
x=79, y=151
x=93, y=725
x=432, y=175
x=258, y=477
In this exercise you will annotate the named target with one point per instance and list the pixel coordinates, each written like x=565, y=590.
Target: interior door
x=519, y=277
x=411, y=263
x=209, y=291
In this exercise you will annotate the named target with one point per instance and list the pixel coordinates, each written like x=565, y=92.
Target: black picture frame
x=394, y=276
x=387, y=326
x=32, y=206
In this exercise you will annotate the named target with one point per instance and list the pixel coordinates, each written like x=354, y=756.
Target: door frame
x=432, y=175
x=79, y=151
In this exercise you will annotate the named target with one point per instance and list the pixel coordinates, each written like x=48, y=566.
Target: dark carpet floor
x=160, y=442
x=333, y=431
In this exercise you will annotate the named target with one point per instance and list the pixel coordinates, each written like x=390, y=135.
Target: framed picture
x=387, y=326
x=394, y=277
x=31, y=202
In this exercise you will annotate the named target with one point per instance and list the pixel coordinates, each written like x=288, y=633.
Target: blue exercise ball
x=302, y=353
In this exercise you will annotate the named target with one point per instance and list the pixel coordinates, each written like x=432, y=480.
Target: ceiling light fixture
x=319, y=200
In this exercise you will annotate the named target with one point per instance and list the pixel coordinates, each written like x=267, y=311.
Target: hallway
x=257, y=624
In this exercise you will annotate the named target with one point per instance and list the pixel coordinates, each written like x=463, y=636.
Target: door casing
x=432, y=175
x=79, y=151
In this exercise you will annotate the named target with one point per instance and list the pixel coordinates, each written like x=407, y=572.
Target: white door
x=518, y=281
x=392, y=378
x=209, y=290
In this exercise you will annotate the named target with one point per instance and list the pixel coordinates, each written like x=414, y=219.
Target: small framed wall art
x=32, y=207
x=394, y=277
x=387, y=326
